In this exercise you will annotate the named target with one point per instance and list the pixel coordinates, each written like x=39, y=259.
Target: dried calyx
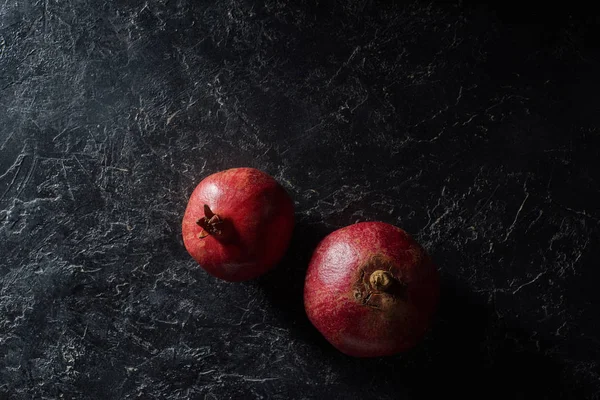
x=379, y=287
x=381, y=280
x=213, y=224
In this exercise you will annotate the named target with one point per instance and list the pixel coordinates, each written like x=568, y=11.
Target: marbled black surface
x=475, y=128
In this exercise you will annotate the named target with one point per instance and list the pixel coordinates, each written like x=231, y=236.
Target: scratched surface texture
x=476, y=129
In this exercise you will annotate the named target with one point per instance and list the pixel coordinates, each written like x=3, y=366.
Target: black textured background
x=475, y=128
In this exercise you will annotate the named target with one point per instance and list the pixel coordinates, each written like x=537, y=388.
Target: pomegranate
x=238, y=223
x=371, y=290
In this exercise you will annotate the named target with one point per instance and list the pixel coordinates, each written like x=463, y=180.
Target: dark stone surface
x=474, y=128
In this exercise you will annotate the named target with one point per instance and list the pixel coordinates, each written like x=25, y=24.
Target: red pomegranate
x=371, y=290
x=238, y=223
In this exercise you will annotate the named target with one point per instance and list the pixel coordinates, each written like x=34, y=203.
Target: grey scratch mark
x=162, y=321
x=62, y=163
x=529, y=283
x=170, y=118
x=28, y=177
x=89, y=271
x=81, y=166
x=582, y=213
x=433, y=139
x=345, y=64
x=21, y=157
x=103, y=175
x=118, y=169
x=59, y=134
x=459, y=95
x=557, y=235
x=485, y=204
x=579, y=254
x=557, y=333
x=45, y=17
x=18, y=160
x=310, y=129
x=512, y=226
x=255, y=131
x=87, y=174
x=266, y=151
x=359, y=104
x=303, y=136
x=487, y=110
x=446, y=212
x=470, y=119
x=10, y=135
x=535, y=220
x=144, y=8
x=14, y=278
x=119, y=286
x=62, y=132
x=434, y=116
x=247, y=379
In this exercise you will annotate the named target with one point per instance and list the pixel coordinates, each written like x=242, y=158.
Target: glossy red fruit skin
x=261, y=213
x=335, y=290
